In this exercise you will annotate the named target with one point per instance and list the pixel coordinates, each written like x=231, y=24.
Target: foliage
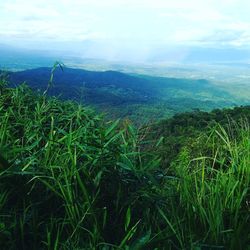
x=70, y=180
x=183, y=129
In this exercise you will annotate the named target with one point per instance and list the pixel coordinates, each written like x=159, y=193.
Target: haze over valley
x=149, y=90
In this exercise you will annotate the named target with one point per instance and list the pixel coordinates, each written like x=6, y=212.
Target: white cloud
x=136, y=23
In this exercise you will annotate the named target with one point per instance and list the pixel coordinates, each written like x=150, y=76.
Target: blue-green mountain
x=126, y=95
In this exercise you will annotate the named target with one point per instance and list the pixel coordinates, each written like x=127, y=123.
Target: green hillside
x=183, y=129
x=137, y=97
x=70, y=179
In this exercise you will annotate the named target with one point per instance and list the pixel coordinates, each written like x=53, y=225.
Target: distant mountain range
x=125, y=95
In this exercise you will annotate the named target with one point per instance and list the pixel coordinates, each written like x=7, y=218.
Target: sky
x=124, y=27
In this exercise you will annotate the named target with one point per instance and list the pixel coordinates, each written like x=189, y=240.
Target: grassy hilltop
x=71, y=180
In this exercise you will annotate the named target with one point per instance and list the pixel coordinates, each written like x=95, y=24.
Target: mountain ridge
x=124, y=95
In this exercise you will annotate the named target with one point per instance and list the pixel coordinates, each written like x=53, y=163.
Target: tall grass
x=213, y=191
x=69, y=180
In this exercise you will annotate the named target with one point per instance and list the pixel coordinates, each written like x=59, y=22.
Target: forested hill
x=124, y=95
x=142, y=88
x=183, y=129
x=68, y=81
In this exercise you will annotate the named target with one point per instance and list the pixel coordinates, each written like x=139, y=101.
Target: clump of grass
x=70, y=180
x=213, y=191
x=69, y=173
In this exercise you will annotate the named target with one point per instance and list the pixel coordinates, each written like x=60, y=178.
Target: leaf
x=159, y=141
x=124, y=166
x=112, y=139
x=152, y=164
x=112, y=127
x=127, y=219
x=97, y=179
x=129, y=235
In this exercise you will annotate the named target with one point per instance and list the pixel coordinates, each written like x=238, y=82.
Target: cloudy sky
x=129, y=25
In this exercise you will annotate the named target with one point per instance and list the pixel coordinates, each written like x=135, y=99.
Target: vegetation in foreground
x=69, y=180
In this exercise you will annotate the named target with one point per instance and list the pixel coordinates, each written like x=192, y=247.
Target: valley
x=132, y=96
